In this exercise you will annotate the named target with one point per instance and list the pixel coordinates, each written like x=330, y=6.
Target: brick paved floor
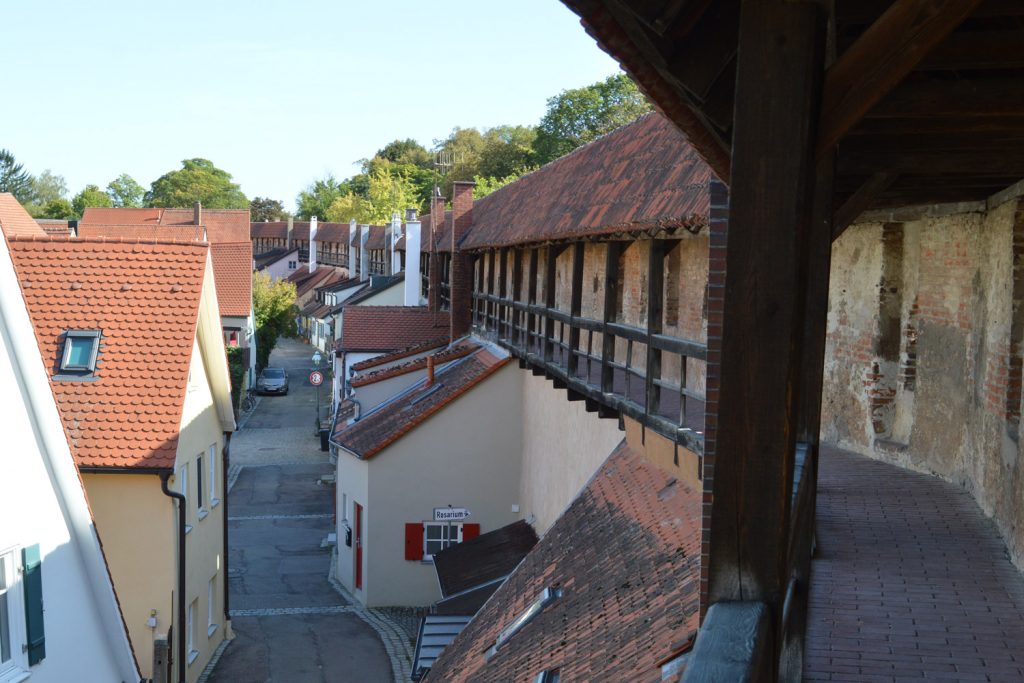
x=911, y=581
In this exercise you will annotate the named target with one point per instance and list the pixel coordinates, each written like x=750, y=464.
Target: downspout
x=226, y=451
x=182, y=656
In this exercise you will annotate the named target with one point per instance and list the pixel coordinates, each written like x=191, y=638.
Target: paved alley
x=290, y=624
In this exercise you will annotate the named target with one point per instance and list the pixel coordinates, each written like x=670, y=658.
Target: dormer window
x=80, y=347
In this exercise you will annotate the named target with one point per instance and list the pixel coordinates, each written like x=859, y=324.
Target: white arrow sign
x=450, y=514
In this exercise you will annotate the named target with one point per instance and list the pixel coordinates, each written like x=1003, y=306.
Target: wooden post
x=780, y=63
x=575, y=304
x=517, y=286
x=531, y=298
x=550, y=271
x=503, y=332
x=655, y=315
x=611, y=285
x=491, y=308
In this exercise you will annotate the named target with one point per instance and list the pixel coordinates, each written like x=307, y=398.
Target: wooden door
x=359, y=544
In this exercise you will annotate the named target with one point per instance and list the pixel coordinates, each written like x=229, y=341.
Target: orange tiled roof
x=232, y=273
x=144, y=298
x=385, y=328
x=222, y=225
x=377, y=238
x=152, y=231
x=54, y=226
x=626, y=555
x=401, y=353
x=14, y=220
x=461, y=349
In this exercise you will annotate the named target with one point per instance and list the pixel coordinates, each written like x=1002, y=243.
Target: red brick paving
x=911, y=581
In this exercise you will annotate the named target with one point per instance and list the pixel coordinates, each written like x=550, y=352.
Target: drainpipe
x=182, y=656
x=224, y=501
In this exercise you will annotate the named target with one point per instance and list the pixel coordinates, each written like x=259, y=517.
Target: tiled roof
x=383, y=426
x=268, y=229
x=144, y=299
x=386, y=328
x=377, y=238
x=331, y=232
x=14, y=220
x=99, y=215
x=626, y=555
x=232, y=273
x=401, y=353
x=325, y=232
x=485, y=558
x=54, y=226
x=222, y=225
x=323, y=276
x=185, y=233
x=459, y=350
x=443, y=241
x=642, y=175
x=268, y=257
x=378, y=283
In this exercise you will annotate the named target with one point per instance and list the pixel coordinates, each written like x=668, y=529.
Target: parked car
x=272, y=381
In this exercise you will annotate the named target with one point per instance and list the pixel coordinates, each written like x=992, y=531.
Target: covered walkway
x=911, y=581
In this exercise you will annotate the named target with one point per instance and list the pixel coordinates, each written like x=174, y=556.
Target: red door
x=359, y=544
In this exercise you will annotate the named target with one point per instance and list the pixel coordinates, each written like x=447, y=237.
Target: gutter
x=182, y=655
x=225, y=463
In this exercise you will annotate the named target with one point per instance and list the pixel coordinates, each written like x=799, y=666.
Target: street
x=290, y=624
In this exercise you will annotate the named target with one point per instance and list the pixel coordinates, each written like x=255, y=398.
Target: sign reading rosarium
x=450, y=514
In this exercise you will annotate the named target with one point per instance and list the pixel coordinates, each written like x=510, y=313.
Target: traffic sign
x=450, y=514
x=316, y=378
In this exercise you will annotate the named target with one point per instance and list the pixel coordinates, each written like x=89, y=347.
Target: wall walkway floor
x=910, y=581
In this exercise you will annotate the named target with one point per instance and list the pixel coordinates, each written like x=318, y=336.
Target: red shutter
x=414, y=541
x=470, y=531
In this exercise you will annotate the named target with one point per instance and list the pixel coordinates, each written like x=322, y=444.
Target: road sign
x=450, y=514
x=316, y=378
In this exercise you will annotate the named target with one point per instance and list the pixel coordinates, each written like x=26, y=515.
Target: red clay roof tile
x=232, y=274
x=386, y=328
x=15, y=221
x=144, y=299
x=444, y=356
x=401, y=353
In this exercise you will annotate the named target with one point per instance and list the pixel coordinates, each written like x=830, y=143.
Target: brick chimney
x=461, y=272
x=197, y=213
x=312, y=244
x=436, y=226
x=353, y=245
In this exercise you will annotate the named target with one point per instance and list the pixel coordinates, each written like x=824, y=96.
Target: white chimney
x=364, y=255
x=312, y=244
x=353, y=243
x=396, y=234
x=412, y=263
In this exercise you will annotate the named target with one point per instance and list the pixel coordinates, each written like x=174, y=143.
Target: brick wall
x=461, y=270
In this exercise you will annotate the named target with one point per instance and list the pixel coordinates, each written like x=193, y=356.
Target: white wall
x=279, y=270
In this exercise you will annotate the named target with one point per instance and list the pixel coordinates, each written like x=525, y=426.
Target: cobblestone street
x=291, y=624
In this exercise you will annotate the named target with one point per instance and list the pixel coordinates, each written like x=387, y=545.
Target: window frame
x=458, y=526
x=201, y=511
x=190, y=629
x=211, y=593
x=16, y=667
x=212, y=453
x=69, y=337
x=182, y=476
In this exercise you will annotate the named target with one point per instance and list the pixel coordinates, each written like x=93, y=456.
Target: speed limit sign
x=316, y=378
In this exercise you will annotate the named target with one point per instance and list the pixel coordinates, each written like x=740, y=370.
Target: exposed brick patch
x=910, y=581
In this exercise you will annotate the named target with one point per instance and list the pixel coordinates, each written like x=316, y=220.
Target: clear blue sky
x=276, y=93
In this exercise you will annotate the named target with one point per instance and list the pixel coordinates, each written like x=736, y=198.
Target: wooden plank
x=575, y=302
x=1004, y=160
x=703, y=57
x=780, y=68
x=531, y=297
x=860, y=201
x=517, y=289
x=734, y=644
x=978, y=50
x=502, y=292
x=882, y=57
x=655, y=316
x=550, y=273
x=980, y=98
x=611, y=285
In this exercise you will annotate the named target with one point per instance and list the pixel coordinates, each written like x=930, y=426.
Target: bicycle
x=249, y=400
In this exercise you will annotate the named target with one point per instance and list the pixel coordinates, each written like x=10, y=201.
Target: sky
x=276, y=93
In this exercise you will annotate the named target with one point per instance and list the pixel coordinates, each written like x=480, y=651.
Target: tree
x=125, y=192
x=406, y=151
x=316, y=199
x=57, y=208
x=268, y=209
x=47, y=187
x=575, y=117
x=508, y=151
x=273, y=306
x=198, y=180
x=90, y=196
x=390, y=188
x=488, y=184
x=14, y=178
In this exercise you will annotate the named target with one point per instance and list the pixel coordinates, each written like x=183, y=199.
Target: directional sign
x=316, y=378
x=450, y=514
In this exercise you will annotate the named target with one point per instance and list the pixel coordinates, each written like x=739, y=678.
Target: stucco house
x=433, y=445
x=50, y=552
x=130, y=334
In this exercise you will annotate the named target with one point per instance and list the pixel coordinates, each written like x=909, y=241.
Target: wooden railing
x=616, y=365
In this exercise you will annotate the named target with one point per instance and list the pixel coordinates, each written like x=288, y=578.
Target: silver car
x=272, y=381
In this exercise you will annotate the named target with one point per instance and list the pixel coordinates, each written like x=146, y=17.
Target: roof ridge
x=99, y=239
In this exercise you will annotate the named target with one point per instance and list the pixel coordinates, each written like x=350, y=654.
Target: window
x=183, y=490
x=11, y=617
x=211, y=456
x=22, y=636
x=190, y=630
x=546, y=597
x=438, y=536
x=211, y=592
x=80, y=348
x=200, y=494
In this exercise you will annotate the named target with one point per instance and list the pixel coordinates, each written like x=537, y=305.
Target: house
x=49, y=550
x=431, y=446
x=130, y=335
x=226, y=229
x=608, y=593
x=278, y=263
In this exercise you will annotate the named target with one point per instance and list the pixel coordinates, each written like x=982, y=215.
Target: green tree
x=14, y=178
x=406, y=151
x=125, y=192
x=268, y=209
x=488, y=184
x=508, y=151
x=90, y=196
x=57, y=208
x=577, y=116
x=316, y=199
x=390, y=188
x=198, y=180
x=273, y=306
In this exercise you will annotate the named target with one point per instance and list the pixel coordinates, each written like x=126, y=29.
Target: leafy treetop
x=14, y=178
x=125, y=192
x=197, y=181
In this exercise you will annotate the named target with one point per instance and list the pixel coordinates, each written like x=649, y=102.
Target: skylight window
x=80, y=347
x=546, y=597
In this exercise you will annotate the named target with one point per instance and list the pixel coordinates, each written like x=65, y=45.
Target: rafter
x=860, y=201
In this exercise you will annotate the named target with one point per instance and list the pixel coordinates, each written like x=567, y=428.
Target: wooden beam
x=655, y=316
x=1001, y=160
x=702, y=58
x=550, y=272
x=611, y=286
x=780, y=65
x=575, y=303
x=502, y=292
x=860, y=201
x=517, y=287
x=531, y=298
x=978, y=50
x=882, y=57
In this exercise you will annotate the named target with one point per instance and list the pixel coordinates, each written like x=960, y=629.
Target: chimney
x=353, y=241
x=430, y=372
x=312, y=244
x=410, y=215
x=364, y=255
x=436, y=224
x=197, y=213
x=461, y=270
x=412, y=261
x=288, y=243
x=396, y=233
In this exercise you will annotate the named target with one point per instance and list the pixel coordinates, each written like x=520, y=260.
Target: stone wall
x=923, y=364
